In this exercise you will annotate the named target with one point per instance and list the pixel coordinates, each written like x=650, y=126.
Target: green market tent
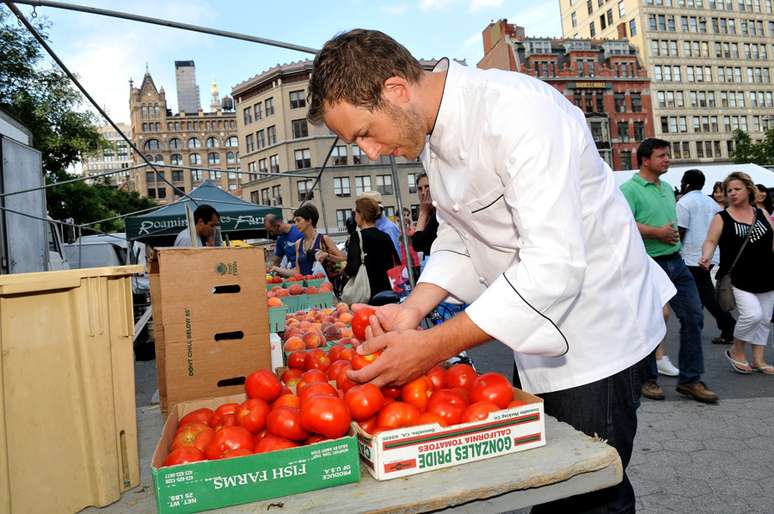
x=238, y=219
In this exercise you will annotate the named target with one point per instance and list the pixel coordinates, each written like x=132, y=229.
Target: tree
x=746, y=150
x=42, y=98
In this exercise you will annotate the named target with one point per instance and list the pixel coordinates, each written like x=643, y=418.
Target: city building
x=115, y=156
x=187, y=91
x=192, y=141
x=603, y=78
x=275, y=138
x=709, y=62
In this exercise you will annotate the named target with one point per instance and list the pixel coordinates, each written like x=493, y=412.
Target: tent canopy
x=712, y=172
x=239, y=219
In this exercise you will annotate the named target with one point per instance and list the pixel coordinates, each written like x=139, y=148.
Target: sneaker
x=698, y=391
x=666, y=368
x=652, y=391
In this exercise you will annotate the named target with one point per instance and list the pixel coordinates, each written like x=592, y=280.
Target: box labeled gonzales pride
x=412, y=450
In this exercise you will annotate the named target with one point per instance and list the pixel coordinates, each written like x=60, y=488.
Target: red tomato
x=228, y=420
x=197, y=416
x=516, y=403
x=448, y=395
x=392, y=392
x=291, y=376
x=335, y=352
x=270, y=443
x=325, y=415
x=347, y=354
x=417, y=392
x=333, y=369
x=478, y=411
x=428, y=418
x=287, y=400
x=492, y=387
x=315, y=438
x=437, y=376
x=227, y=439
x=239, y=452
x=460, y=375
x=204, y=439
x=318, y=388
x=222, y=410
x=449, y=412
x=310, y=377
x=186, y=435
x=252, y=415
x=360, y=322
x=343, y=382
x=361, y=361
x=285, y=422
x=397, y=415
x=296, y=360
x=368, y=425
x=317, y=359
x=364, y=401
x=263, y=384
x=183, y=455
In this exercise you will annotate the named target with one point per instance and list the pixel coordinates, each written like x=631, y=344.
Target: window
x=177, y=176
x=609, y=15
x=258, y=111
x=265, y=198
x=269, y=103
x=303, y=158
x=231, y=158
x=362, y=184
x=194, y=143
x=633, y=27
x=276, y=193
x=573, y=19
x=259, y=136
x=602, y=22
x=176, y=159
x=300, y=129
x=150, y=177
x=216, y=175
x=297, y=99
x=341, y=187
x=274, y=163
x=621, y=9
x=248, y=115
x=303, y=187
x=339, y=155
x=271, y=134
x=162, y=192
x=232, y=142
x=250, y=143
x=151, y=193
x=174, y=144
x=195, y=159
x=412, y=182
x=262, y=166
x=358, y=157
x=251, y=170
x=639, y=130
x=341, y=218
x=212, y=142
x=623, y=130
x=213, y=158
x=620, y=102
x=636, y=99
x=384, y=184
x=152, y=144
x=592, y=30
x=197, y=175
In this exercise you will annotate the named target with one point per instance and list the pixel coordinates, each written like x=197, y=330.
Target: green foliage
x=746, y=150
x=43, y=99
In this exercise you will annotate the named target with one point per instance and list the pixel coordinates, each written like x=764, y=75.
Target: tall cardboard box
x=210, y=321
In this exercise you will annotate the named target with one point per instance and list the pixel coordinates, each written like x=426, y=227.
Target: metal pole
x=403, y=233
x=167, y=23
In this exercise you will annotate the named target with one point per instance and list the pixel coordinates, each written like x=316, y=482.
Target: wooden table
x=570, y=463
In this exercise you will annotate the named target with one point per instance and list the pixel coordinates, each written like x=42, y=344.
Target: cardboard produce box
x=210, y=321
x=213, y=484
x=412, y=450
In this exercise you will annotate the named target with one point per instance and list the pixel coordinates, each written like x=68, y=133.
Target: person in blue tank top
x=313, y=245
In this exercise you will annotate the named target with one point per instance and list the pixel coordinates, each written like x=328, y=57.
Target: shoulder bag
x=358, y=289
x=724, y=291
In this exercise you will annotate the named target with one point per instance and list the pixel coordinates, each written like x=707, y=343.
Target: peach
x=346, y=317
x=293, y=344
x=274, y=302
x=313, y=339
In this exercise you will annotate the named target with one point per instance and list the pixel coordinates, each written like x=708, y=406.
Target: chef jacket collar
x=446, y=110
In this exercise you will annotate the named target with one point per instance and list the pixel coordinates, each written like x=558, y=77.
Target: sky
x=105, y=53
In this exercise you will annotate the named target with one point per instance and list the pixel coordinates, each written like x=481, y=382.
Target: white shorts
x=754, y=321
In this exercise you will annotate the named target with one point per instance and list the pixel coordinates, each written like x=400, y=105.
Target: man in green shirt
x=653, y=204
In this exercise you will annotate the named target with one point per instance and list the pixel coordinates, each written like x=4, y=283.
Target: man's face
x=206, y=230
x=658, y=162
x=395, y=130
x=272, y=228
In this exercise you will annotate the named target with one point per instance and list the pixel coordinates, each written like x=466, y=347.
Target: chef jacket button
x=456, y=207
x=463, y=155
x=482, y=280
x=435, y=204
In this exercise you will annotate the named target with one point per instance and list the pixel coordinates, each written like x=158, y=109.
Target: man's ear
x=397, y=90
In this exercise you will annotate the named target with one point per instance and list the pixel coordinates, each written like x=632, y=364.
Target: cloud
x=394, y=9
x=427, y=5
x=473, y=40
x=541, y=20
x=477, y=5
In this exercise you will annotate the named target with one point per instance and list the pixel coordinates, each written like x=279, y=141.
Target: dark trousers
x=687, y=307
x=725, y=321
x=607, y=408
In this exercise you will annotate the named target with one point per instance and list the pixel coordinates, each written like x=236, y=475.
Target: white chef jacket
x=534, y=234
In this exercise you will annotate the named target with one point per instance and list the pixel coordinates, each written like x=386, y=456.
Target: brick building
x=603, y=78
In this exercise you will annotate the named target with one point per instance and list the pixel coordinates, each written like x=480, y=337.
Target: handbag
x=724, y=291
x=357, y=289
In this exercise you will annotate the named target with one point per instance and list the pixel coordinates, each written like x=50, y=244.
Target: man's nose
x=370, y=148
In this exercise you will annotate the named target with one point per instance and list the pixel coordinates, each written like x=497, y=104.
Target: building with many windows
x=192, y=141
x=115, y=156
x=709, y=63
x=603, y=78
x=275, y=138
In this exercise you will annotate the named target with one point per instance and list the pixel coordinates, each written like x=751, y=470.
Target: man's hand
x=667, y=234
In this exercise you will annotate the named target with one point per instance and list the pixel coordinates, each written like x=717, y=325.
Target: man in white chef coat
x=533, y=234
